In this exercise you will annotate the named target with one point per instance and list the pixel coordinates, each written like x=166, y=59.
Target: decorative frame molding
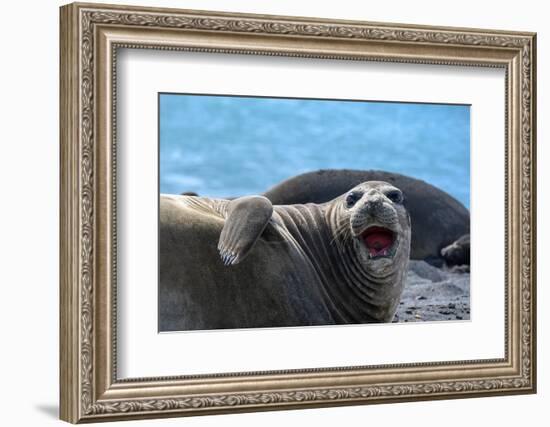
x=90, y=36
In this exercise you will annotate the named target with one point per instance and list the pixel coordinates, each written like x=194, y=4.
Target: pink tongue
x=378, y=242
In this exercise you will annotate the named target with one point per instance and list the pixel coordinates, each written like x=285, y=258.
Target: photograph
x=279, y=212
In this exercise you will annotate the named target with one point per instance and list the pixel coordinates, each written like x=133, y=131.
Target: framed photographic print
x=266, y=212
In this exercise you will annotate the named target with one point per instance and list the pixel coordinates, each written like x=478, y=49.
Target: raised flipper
x=246, y=219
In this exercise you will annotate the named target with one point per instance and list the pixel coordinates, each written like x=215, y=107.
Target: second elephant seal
x=437, y=218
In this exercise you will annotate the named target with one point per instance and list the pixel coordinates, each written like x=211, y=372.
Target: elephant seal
x=246, y=263
x=437, y=218
x=457, y=253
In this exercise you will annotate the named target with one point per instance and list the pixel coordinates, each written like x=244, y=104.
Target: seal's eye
x=395, y=196
x=352, y=198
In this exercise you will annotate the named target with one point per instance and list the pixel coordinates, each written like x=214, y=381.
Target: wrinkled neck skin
x=364, y=290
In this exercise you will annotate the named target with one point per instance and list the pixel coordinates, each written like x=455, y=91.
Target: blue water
x=227, y=146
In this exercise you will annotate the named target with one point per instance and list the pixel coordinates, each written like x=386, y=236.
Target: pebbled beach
x=433, y=294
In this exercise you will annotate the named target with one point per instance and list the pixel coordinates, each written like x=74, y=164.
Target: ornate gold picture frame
x=91, y=36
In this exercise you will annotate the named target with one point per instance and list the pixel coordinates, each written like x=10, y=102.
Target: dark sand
x=433, y=294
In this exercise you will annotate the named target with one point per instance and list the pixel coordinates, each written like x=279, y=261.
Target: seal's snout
x=377, y=208
x=373, y=202
x=447, y=250
x=375, y=222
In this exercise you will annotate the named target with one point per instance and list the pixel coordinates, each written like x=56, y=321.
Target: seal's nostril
x=373, y=203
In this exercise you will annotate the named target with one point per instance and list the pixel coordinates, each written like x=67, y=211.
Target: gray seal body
x=438, y=219
x=245, y=263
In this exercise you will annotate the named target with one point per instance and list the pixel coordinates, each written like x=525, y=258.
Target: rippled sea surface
x=223, y=146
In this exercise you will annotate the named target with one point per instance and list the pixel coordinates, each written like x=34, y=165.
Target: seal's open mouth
x=380, y=242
